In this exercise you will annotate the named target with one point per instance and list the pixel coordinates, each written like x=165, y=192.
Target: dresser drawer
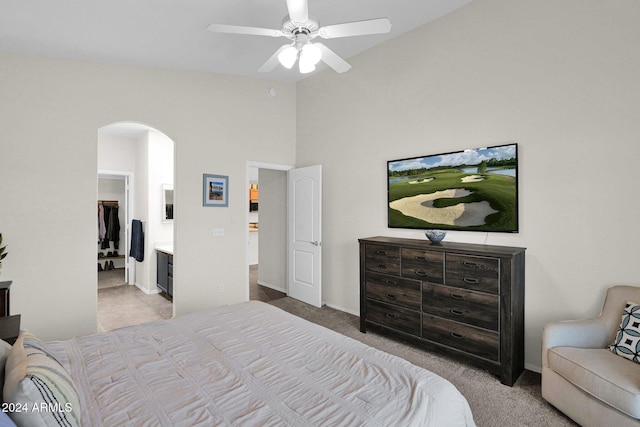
x=467, y=338
x=469, y=272
x=394, y=290
x=382, y=259
x=395, y=317
x=381, y=266
x=474, y=308
x=422, y=265
x=383, y=252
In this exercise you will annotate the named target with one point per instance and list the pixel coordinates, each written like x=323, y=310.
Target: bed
x=243, y=364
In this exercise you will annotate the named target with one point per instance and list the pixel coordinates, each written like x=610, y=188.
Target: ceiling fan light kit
x=301, y=29
x=288, y=57
x=309, y=56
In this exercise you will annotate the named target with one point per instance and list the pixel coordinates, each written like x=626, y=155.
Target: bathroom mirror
x=167, y=202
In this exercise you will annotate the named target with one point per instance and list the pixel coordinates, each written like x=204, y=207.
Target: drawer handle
x=382, y=266
x=391, y=282
x=456, y=312
x=471, y=264
x=457, y=336
x=456, y=296
x=391, y=296
x=391, y=316
x=381, y=252
x=421, y=272
x=471, y=280
x=421, y=258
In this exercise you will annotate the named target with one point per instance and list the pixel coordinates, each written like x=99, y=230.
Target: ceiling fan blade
x=273, y=61
x=358, y=28
x=332, y=59
x=298, y=10
x=236, y=29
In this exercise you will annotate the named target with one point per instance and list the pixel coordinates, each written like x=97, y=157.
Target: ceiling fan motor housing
x=294, y=28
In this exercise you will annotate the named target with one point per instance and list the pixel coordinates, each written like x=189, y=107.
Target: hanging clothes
x=113, y=232
x=102, y=228
x=107, y=211
x=137, y=241
x=108, y=225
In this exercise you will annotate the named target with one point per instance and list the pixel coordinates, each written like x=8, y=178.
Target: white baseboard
x=346, y=310
x=270, y=286
x=147, y=291
x=534, y=368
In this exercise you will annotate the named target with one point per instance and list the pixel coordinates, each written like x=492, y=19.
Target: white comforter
x=250, y=364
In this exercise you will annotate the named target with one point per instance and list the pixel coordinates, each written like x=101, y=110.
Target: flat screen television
x=468, y=190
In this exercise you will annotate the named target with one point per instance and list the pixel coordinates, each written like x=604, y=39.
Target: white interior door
x=128, y=276
x=304, y=234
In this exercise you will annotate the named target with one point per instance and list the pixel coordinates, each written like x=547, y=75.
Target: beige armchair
x=582, y=377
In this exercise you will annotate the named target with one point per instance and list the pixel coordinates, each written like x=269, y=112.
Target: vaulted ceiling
x=173, y=34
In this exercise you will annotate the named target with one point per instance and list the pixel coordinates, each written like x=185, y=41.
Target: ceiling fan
x=301, y=30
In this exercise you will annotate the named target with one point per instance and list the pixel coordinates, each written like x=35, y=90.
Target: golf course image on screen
x=474, y=190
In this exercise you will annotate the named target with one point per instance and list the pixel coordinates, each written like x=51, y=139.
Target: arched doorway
x=135, y=173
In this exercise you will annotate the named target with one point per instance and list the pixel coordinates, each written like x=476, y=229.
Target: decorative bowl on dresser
x=462, y=300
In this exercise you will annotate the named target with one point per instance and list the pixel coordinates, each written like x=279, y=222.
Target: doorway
x=266, y=186
x=290, y=206
x=115, y=208
x=127, y=150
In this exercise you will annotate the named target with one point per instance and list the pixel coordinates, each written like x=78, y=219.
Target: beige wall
x=141, y=203
x=558, y=77
x=51, y=111
x=116, y=153
x=157, y=156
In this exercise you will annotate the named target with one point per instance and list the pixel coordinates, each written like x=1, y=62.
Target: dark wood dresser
x=463, y=300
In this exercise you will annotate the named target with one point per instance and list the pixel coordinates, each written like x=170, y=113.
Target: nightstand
x=4, y=297
x=10, y=328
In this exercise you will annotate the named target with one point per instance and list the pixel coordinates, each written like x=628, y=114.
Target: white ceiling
x=172, y=33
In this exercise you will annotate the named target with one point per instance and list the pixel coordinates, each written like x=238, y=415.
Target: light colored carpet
x=258, y=292
x=492, y=403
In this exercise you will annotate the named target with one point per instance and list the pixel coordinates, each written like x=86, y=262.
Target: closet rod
x=108, y=202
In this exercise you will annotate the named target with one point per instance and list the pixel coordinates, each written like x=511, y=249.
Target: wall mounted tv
x=469, y=190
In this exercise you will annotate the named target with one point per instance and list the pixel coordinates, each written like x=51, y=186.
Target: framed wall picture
x=215, y=190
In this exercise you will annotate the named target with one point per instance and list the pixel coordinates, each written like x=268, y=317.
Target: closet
x=110, y=254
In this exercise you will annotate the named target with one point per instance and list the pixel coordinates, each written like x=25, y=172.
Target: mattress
x=250, y=364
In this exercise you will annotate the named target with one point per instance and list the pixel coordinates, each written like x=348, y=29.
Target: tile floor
x=127, y=305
